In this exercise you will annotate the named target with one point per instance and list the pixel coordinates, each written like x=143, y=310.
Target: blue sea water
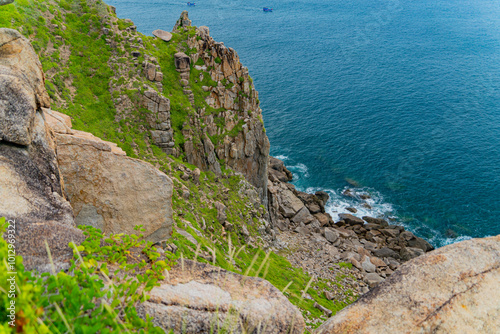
x=396, y=98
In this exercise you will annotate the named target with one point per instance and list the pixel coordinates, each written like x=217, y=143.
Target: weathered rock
x=182, y=61
x=350, y=219
x=368, y=266
x=200, y=298
x=420, y=243
x=30, y=182
x=408, y=253
x=111, y=191
x=378, y=221
x=22, y=87
x=331, y=235
x=5, y=2
x=221, y=212
x=163, y=35
x=453, y=289
x=289, y=204
x=303, y=216
x=373, y=279
x=386, y=252
x=183, y=21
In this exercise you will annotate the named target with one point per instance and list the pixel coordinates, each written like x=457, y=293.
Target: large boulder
x=5, y=2
x=31, y=186
x=162, y=34
x=200, y=298
x=109, y=190
x=453, y=289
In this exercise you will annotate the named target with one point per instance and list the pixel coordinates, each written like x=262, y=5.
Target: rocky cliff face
x=31, y=188
x=230, y=130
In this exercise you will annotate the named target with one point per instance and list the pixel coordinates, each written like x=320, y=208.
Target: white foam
x=281, y=157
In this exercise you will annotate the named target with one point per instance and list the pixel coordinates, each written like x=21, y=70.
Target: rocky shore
x=374, y=247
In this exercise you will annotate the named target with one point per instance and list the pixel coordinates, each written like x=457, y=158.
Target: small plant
x=218, y=60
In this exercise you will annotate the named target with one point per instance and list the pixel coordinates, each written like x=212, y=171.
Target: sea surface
x=397, y=99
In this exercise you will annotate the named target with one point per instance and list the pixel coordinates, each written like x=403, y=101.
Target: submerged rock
x=453, y=289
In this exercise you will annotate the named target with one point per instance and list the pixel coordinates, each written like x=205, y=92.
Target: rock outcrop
x=453, y=289
x=5, y=2
x=109, y=190
x=163, y=35
x=233, y=131
x=200, y=298
x=31, y=186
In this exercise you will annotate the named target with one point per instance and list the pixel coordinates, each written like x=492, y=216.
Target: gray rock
x=163, y=35
x=331, y=235
x=199, y=298
x=373, y=279
x=368, y=266
x=303, y=216
x=5, y=2
x=221, y=212
x=386, y=252
x=377, y=221
x=408, y=253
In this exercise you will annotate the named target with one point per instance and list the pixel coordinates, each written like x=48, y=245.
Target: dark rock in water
x=163, y=35
x=350, y=219
x=322, y=196
x=348, y=193
x=450, y=233
x=353, y=210
x=364, y=196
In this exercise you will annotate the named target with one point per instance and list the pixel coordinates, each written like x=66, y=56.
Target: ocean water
x=397, y=99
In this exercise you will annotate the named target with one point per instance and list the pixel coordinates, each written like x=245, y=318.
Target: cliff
x=114, y=129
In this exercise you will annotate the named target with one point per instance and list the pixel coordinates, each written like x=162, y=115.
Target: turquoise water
x=397, y=98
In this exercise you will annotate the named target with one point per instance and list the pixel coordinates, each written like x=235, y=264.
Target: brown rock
x=163, y=35
x=350, y=219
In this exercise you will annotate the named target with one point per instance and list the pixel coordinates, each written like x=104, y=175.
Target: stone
x=324, y=218
x=221, y=212
x=331, y=235
x=163, y=35
x=136, y=54
x=322, y=196
x=106, y=187
x=182, y=61
x=302, y=230
x=453, y=289
x=367, y=265
x=199, y=297
x=378, y=221
x=408, y=253
x=329, y=295
x=353, y=210
x=289, y=204
x=372, y=279
x=386, y=252
x=420, y=243
x=390, y=233
x=5, y=2
x=303, y=216
x=377, y=262
x=350, y=219
x=158, y=76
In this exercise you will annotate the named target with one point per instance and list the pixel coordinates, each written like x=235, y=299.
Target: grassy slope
x=85, y=77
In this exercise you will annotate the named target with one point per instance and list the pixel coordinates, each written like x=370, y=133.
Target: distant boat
x=191, y=4
x=267, y=9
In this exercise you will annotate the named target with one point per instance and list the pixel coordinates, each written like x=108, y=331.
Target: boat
x=191, y=4
x=267, y=9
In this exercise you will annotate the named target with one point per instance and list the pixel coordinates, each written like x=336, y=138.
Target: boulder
x=303, y=216
x=378, y=221
x=453, y=289
x=111, y=191
x=289, y=204
x=200, y=298
x=31, y=186
x=350, y=219
x=5, y=2
x=420, y=243
x=386, y=252
x=182, y=61
x=163, y=35
x=331, y=235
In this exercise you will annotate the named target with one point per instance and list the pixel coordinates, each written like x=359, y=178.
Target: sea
x=397, y=100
